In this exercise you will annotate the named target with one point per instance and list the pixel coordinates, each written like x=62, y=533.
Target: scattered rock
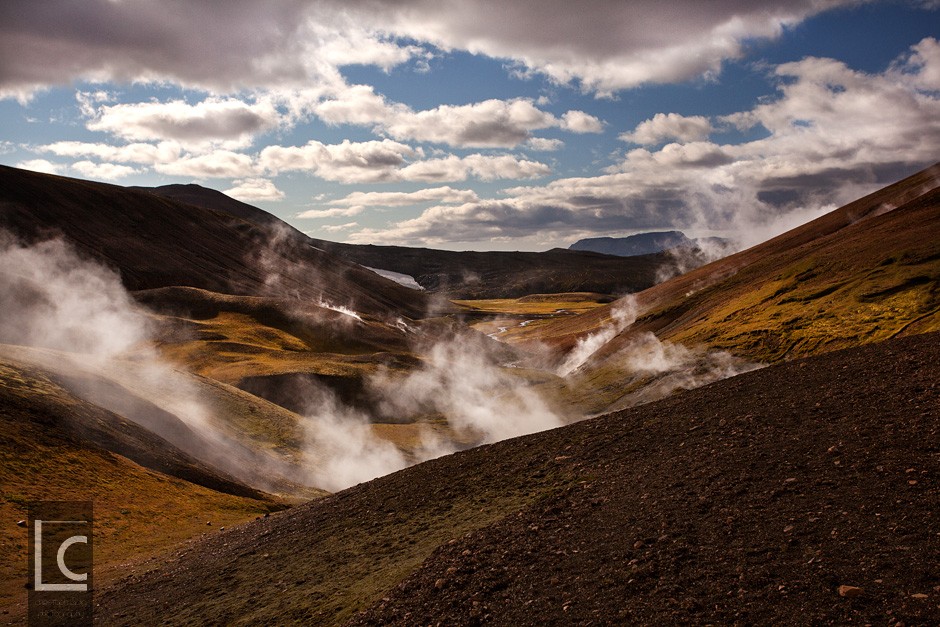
x=209, y=523
x=638, y=544
x=850, y=592
x=20, y=523
x=919, y=595
x=439, y=584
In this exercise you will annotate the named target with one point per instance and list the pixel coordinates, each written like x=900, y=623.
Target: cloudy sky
x=481, y=124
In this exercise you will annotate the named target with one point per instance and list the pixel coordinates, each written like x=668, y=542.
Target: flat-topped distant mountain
x=647, y=243
x=639, y=244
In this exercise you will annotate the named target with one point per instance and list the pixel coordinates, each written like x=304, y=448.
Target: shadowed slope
x=749, y=500
x=200, y=196
x=159, y=242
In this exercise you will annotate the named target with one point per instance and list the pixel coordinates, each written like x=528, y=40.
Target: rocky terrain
x=746, y=501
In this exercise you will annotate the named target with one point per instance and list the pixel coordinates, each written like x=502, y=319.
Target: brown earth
x=752, y=500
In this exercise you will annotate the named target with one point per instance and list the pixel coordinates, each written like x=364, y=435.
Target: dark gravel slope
x=751, y=500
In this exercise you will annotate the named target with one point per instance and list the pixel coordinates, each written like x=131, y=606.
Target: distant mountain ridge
x=632, y=245
x=504, y=274
x=650, y=244
x=466, y=274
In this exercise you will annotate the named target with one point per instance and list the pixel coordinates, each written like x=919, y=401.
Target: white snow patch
x=402, y=279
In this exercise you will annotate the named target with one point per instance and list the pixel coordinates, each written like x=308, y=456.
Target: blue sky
x=481, y=124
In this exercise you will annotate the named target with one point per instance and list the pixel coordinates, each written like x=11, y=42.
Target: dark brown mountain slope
x=751, y=500
x=159, y=242
x=200, y=196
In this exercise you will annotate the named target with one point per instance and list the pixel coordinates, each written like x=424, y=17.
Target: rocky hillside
x=804, y=492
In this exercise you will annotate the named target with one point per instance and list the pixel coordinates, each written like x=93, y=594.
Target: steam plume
x=51, y=297
x=623, y=313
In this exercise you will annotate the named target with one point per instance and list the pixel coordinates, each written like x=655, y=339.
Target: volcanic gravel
x=801, y=494
x=804, y=493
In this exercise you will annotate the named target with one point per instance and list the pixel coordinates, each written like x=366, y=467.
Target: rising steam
x=668, y=367
x=341, y=444
x=461, y=380
x=53, y=298
x=623, y=313
x=659, y=367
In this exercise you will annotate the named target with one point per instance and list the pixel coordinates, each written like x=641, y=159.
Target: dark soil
x=749, y=501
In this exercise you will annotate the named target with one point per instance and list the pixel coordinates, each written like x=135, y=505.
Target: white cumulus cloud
x=254, y=189
x=490, y=123
x=41, y=165
x=663, y=126
x=227, y=122
x=215, y=164
x=103, y=171
x=142, y=153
